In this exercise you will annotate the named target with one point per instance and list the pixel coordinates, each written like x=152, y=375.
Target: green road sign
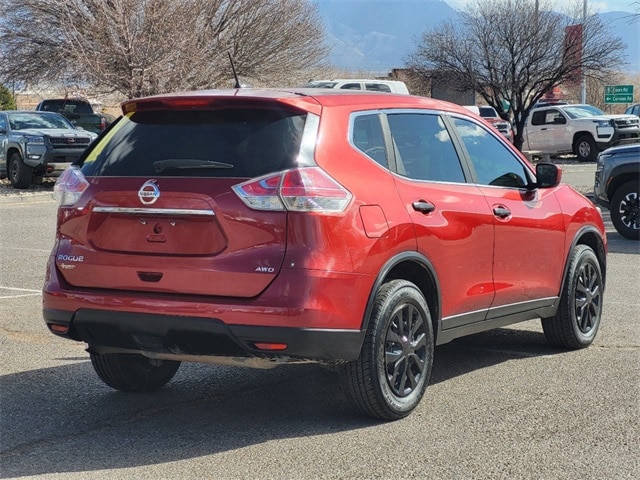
x=618, y=94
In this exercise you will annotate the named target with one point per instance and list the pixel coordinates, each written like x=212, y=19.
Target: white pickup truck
x=579, y=129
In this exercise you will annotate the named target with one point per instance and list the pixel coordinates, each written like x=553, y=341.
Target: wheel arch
x=620, y=175
x=10, y=151
x=416, y=268
x=591, y=237
x=579, y=134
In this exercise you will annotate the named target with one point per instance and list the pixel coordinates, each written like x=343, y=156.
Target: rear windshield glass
x=228, y=142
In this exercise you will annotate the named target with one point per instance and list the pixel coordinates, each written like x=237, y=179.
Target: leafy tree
x=147, y=47
x=517, y=51
x=7, y=102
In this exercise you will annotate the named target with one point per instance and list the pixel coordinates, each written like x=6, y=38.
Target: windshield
x=583, y=111
x=25, y=120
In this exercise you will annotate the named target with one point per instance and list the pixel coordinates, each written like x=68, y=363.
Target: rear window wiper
x=187, y=163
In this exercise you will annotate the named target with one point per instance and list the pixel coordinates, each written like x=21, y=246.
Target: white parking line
x=30, y=292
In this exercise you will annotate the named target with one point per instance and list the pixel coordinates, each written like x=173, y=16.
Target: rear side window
x=377, y=87
x=367, y=136
x=424, y=150
x=226, y=142
x=351, y=86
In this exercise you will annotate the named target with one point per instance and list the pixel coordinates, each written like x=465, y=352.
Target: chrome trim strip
x=155, y=211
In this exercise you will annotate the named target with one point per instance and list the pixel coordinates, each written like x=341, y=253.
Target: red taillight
x=103, y=123
x=70, y=186
x=299, y=190
x=270, y=346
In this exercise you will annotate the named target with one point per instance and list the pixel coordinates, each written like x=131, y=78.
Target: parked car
x=617, y=187
x=263, y=227
x=372, y=85
x=583, y=130
x=36, y=145
x=78, y=111
x=633, y=110
x=490, y=115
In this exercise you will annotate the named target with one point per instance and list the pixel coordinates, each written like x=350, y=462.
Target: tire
x=133, y=372
x=389, y=378
x=585, y=148
x=20, y=175
x=625, y=210
x=576, y=322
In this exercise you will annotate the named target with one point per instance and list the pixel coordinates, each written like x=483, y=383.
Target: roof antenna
x=235, y=75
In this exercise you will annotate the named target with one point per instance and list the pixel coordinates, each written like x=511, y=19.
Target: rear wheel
x=585, y=148
x=389, y=378
x=20, y=174
x=625, y=210
x=576, y=322
x=133, y=372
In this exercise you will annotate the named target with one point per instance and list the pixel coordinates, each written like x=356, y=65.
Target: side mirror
x=548, y=175
x=3, y=131
x=559, y=120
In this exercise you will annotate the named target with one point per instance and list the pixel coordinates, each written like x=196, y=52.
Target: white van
x=389, y=86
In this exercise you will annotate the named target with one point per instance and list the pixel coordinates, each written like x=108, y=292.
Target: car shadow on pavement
x=63, y=419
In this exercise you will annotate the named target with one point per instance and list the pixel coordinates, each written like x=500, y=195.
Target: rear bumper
x=317, y=315
x=193, y=336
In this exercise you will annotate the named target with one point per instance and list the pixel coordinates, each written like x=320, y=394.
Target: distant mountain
x=377, y=35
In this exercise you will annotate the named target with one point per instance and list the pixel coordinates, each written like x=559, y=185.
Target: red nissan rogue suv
x=261, y=227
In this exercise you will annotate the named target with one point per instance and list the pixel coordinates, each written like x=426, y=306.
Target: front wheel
x=389, y=378
x=20, y=174
x=585, y=148
x=576, y=322
x=133, y=372
x=625, y=210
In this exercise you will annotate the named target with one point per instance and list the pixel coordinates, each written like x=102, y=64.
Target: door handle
x=502, y=212
x=423, y=206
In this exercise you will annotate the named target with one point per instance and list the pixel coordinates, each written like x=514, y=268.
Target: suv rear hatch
x=153, y=206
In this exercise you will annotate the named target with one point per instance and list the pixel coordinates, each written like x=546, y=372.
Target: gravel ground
x=8, y=193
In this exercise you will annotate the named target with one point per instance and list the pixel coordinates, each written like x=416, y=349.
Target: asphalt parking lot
x=501, y=405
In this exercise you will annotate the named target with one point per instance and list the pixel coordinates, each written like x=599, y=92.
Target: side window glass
x=367, y=136
x=538, y=118
x=423, y=147
x=377, y=87
x=351, y=86
x=493, y=162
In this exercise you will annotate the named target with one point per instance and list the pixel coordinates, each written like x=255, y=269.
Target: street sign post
x=618, y=94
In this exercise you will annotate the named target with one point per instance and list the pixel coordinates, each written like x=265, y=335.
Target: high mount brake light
x=307, y=189
x=70, y=186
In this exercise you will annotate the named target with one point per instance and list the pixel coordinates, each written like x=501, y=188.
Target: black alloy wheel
x=625, y=210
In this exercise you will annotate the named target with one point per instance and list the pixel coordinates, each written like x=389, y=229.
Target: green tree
x=517, y=51
x=7, y=102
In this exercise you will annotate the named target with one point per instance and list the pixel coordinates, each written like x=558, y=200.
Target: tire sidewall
x=583, y=257
x=593, y=150
x=20, y=175
x=404, y=292
x=614, y=209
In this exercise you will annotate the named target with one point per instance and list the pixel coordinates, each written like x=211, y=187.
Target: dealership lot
x=500, y=405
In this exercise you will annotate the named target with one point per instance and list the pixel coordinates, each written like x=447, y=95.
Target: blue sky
x=599, y=6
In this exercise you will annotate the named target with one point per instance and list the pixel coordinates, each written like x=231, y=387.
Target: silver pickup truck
x=582, y=130
x=35, y=145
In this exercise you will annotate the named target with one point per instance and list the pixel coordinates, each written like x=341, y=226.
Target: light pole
x=583, y=89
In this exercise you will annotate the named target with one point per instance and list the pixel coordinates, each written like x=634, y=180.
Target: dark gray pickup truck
x=34, y=145
x=77, y=111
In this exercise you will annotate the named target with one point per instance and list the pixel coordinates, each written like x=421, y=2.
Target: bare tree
x=143, y=47
x=517, y=51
